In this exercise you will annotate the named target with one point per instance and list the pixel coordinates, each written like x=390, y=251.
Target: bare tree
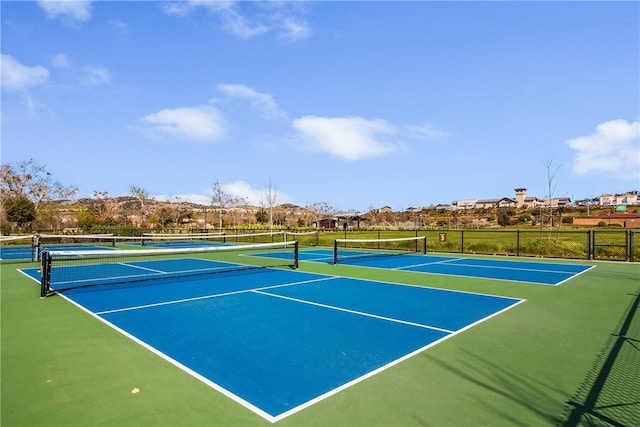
x=32, y=181
x=235, y=205
x=220, y=200
x=551, y=188
x=270, y=202
x=142, y=197
x=319, y=209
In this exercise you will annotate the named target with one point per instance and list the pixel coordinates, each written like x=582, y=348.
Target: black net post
x=335, y=251
x=296, y=255
x=35, y=245
x=45, y=272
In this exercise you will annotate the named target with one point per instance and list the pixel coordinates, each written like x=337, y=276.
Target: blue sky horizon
x=356, y=104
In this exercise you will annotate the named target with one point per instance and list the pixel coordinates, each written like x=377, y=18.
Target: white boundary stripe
x=359, y=313
x=575, y=275
x=179, y=365
x=489, y=267
x=317, y=399
x=407, y=267
x=387, y=366
x=180, y=301
x=499, y=267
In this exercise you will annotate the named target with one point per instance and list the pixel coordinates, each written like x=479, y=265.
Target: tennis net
x=65, y=270
x=52, y=242
x=309, y=238
x=17, y=248
x=202, y=239
x=346, y=249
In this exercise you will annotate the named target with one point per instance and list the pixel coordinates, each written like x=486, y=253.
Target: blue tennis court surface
x=15, y=252
x=276, y=340
x=25, y=252
x=545, y=273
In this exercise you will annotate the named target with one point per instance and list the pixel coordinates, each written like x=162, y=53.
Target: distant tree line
x=31, y=200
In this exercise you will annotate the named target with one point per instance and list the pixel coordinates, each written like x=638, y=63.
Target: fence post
x=517, y=242
x=461, y=241
x=627, y=247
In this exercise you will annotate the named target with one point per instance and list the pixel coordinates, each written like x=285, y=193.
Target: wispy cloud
x=275, y=17
x=74, y=11
x=18, y=77
x=614, y=148
x=241, y=190
x=60, y=61
x=95, y=76
x=119, y=26
x=349, y=138
x=253, y=196
x=86, y=76
x=264, y=103
x=199, y=123
x=427, y=131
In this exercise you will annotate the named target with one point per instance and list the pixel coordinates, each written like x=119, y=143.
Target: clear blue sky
x=357, y=104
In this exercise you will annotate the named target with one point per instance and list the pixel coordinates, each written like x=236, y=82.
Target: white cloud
x=614, y=148
x=95, y=76
x=350, y=138
x=293, y=28
x=239, y=189
x=60, y=61
x=263, y=102
x=200, y=123
x=16, y=76
x=254, y=196
x=428, y=131
x=119, y=26
x=74, y=10
x=275, y=18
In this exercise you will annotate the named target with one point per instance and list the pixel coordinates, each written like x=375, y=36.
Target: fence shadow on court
x=528, y=393
x=610, y=393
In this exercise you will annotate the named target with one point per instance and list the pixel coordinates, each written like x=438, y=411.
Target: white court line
x=248, y=405
x=360, y=313
x=126, y=264
x=495, y=267
x=445, y=261
x=242, y=291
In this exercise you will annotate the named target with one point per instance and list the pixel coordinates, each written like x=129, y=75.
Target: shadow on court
x=528, y=393
x=610, y=394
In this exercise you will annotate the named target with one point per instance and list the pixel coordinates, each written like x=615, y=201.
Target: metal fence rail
x=613, y=245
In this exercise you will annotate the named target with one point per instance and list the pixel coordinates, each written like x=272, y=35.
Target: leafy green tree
x=504, y=218
x=33, y=182
x=87, y=219
x=20, y=210
x=261, y=216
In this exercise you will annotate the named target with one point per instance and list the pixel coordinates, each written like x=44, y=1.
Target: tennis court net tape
x=359, y=248
x=64, y=270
